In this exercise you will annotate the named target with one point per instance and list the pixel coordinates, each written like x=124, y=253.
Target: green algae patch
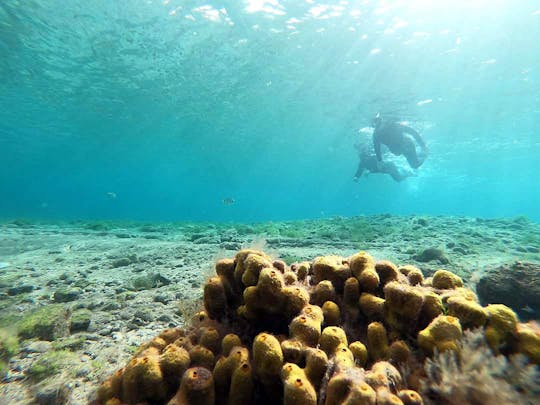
x=7, y=317
x=9, y=346
x=47, y=323
x=62, y=295
x=70, y=343
x=3, y=367
x=80, y=320
x=52, y=363
x=99, y=365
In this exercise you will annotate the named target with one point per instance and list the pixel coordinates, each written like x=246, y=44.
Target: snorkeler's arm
x=359, y=171
x=377, y=147
x=416, y=136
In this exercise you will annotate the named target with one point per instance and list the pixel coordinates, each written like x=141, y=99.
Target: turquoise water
x=160, y=110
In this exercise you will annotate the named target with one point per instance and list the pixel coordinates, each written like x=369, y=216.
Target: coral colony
x=333, y=331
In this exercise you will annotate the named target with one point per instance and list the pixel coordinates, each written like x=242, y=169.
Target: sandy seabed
x=137, y=279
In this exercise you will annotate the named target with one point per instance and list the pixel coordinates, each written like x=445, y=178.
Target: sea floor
x=131, y=280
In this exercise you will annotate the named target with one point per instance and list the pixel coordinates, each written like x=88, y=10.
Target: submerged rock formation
x=516, y=285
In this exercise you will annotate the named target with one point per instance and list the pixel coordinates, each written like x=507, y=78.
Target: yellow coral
x=293, y=350
x=372, y=306
x=413, y=274
x=233, y=377
x=443, y=279
x=528, y=336
x=297, y=389
x=332, y=268
x=295, y=299
x=343, y=357
x=361, y=262
x=347, y=388
x=399, y=352
x=267, y=358
x=410, y=397
x=157, y=343
x=369, y=280
x=377, y=341
x=383, y=375
x=502, y=322
x=313, y=312
x=323, y=291
x=184, y=342
x=331, y=313
x=202, y=357
x=432, y=308
x=253, y=264
x=242, y=386
x=215, y=300
x=351, y=291
x=385, y=397
x=469, y=313
x=306, y=329
x=171, y=334
x=443, y=333
x=111, y=388
x=267, y=297
x=209, y=338
x=404, y=300
x=174, y=361
x=360, y=353
x=387, y=271
x=225, y=267
x=290, y=277
x=240, y=265
x=142, y=379
x=351, y=295
x=228, y=342
x=316, y=366
x=302, y=270
x=255, y=296
x=331, y=338
x=196, y=387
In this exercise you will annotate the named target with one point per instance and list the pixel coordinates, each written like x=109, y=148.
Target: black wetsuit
x=396, y=137
x=369, y=162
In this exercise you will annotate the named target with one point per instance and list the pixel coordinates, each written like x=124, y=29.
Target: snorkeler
x=400, y=140
x=368, y=161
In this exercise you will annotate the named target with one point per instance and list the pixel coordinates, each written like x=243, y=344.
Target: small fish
x=228, y=201
x=111, y=195
x=3, y=265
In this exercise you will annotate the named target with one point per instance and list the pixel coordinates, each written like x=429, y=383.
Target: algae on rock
x=47, y=323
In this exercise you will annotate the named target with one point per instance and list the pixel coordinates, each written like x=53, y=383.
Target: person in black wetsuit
x=368, y=162
x=400, y=140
